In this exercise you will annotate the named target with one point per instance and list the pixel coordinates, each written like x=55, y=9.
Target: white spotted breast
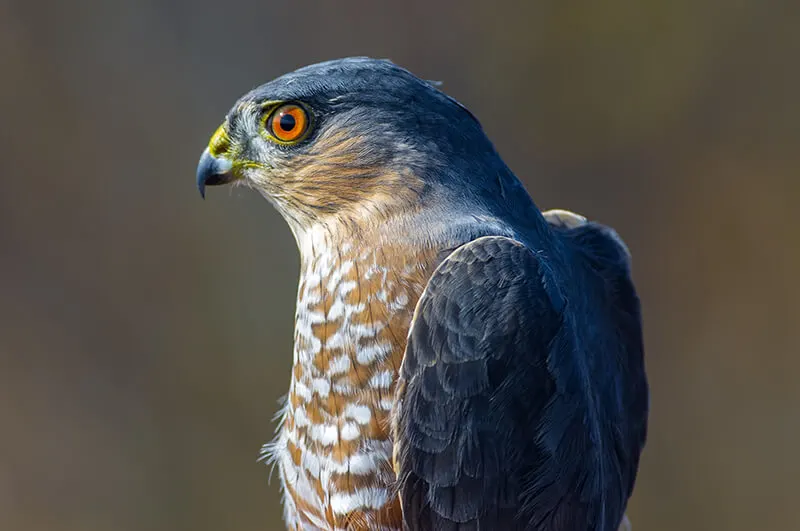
x=334, y=451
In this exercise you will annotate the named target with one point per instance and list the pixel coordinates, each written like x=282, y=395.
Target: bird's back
x=611, y=339
x=601, y=366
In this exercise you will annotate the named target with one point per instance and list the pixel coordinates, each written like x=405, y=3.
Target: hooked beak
x=215, y=166
x=212, y=171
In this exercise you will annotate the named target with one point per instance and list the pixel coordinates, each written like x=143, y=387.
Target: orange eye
x=288, y=122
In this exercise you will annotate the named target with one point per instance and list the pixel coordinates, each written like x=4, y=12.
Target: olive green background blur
x=145, y=335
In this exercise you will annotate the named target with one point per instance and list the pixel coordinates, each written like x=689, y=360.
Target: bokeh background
x=145, y=335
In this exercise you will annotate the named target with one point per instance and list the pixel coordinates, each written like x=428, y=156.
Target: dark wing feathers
x=608, y=256
x=460, y=415
x=493, y=428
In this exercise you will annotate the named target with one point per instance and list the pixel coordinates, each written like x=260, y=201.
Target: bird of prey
x=461, y=360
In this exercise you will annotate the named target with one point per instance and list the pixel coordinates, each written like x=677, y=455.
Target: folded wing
x=494, y=428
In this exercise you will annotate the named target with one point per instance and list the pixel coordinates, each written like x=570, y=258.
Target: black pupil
x=287, y=122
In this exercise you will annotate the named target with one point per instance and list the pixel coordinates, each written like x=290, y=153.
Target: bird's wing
x=492, y=430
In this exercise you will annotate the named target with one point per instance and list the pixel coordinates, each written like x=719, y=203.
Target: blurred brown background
x=145, y=335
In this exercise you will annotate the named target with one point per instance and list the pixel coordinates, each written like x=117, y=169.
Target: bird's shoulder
x=485, y=259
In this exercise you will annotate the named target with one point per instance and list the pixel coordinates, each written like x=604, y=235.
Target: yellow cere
x=220, y=143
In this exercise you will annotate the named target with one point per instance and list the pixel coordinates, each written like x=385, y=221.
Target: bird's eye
x=288, y=123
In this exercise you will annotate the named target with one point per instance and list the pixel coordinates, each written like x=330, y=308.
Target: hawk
x=461, y=360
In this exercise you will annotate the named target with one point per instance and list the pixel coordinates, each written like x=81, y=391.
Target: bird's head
x=353, y=139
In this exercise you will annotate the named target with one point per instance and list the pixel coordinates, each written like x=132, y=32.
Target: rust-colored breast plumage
x=334, y=451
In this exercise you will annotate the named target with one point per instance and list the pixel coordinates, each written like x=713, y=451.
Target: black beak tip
x=212, y=171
